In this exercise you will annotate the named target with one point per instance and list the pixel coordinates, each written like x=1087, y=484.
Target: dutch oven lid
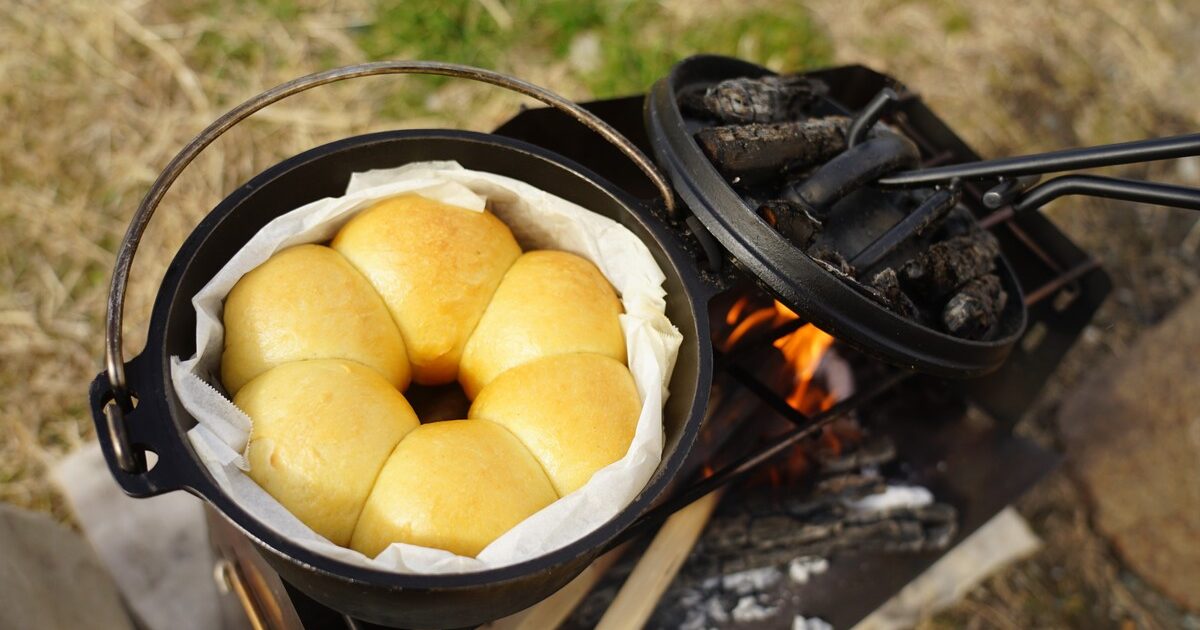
x=790, y=275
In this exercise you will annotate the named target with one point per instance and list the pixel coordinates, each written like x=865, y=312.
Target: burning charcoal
x=747, y=540
x=790, y=220
x=870, y=453
x=762, y=100
x=976, y=307
x=764, y=149
x=893, y=535
x=913, y=528
x=888, y=285
x=849, y=486
x=946, y=266
x=832, y=260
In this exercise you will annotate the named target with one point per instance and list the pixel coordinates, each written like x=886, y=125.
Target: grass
x=632, y=43
x=99, y=96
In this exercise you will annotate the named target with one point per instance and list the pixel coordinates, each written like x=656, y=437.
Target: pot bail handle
x=114, y=359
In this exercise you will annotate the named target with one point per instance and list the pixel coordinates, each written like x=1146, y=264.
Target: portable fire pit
x=802, y=421
x=864, y=281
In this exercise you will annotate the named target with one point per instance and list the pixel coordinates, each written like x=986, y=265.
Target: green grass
x=638, y=41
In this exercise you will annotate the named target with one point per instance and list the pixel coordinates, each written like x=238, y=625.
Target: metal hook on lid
x=870, y=115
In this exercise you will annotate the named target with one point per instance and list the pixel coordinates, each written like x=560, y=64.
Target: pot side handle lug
x=149, y=445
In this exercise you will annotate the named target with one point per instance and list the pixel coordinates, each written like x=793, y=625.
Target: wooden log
x=639, y=596
x=551, y=612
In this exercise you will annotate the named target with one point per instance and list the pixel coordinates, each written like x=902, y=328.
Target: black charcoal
x=761, y=100
x=758, y=150
x=944, y=267
x=830, y=259
x=887, y=283
x=976, y=308
x=790, y=220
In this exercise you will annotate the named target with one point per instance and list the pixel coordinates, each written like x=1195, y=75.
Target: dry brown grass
x=99, y=95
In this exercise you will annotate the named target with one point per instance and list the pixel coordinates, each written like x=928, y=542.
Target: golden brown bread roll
x=455, y=485
x=549, y=303
x=322, y=431
x=436, y=267
x=307, y=302
x=575, y=412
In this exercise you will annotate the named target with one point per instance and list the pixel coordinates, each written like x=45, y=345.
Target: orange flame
x=803, y=349
x=742, y=325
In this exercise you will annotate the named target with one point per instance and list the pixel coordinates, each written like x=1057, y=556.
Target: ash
x=800, y=570
x=749, y=568
x=810, y=623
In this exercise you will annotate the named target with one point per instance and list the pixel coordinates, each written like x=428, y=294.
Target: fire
x=763, y=317
x=802, y=349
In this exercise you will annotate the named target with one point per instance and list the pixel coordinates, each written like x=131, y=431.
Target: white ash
x=802, y=568
x=751, y=581
x=716, y=610
x=696, y=620
x=895, y=497
x=691, y=598
x=748, y=609
x=810, y=623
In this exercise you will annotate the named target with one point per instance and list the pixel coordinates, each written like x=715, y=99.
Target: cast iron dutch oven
x=136, y=409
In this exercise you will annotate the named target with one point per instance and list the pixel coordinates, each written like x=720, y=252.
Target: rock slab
x=1132, y=434
x=50, y=577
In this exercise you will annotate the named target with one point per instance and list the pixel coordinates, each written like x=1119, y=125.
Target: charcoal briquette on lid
x=764, y=161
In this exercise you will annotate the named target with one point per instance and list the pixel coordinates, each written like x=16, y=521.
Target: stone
x=156, y=549
x=1003, y=540
x=51, y=578
x=1132, y=437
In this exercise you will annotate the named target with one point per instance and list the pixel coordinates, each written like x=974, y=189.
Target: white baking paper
x=539, y=221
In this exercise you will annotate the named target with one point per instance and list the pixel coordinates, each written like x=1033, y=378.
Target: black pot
x=136, y=408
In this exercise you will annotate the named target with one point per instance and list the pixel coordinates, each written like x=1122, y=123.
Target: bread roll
x=455, y=485
x=436, y=267
x=322, y=431
x=575, y=412
x=307, y=302
x=549, y=303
